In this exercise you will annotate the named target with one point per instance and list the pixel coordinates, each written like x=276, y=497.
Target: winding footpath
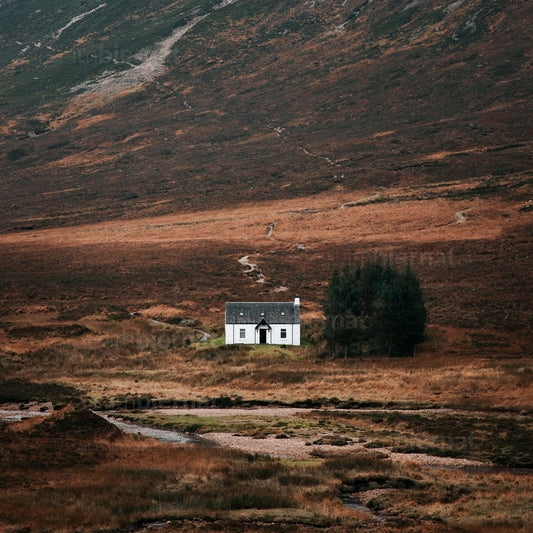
x=251, y=269
x=460, y=216
x=204, y=335
x=76, y=19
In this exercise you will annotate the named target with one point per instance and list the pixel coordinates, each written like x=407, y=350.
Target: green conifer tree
x=374, y=307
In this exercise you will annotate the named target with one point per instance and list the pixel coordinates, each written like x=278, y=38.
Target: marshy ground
x=73, y=470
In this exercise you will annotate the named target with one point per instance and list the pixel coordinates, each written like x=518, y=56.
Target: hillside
x=159, y=159
x=127, y=109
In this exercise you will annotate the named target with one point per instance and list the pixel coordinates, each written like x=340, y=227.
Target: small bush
x=363, y=483
x=333, y=440
x=360, y=461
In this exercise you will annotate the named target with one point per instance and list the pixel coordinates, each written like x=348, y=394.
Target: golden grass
x=135, y=479
x=456, y=382
x=186, y=265
x=315, y=219
x=138, y=480
x=137, y=357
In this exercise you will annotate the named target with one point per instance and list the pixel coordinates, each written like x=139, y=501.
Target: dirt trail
x=361, y=201
x=252, y=270
x=58, y=33
x=460, y=216
x=279, y=131
x=327, y=159
x=152, y=64
x=270, y=231
x=204, y=335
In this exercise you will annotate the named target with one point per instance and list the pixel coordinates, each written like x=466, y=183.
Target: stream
x=11, y=415
x=176, y=437
x=162, y=435
x=352, y=502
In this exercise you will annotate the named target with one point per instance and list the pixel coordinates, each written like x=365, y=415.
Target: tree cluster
x=374, y=308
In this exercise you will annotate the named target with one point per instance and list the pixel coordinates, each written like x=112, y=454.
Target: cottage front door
x=262, y=336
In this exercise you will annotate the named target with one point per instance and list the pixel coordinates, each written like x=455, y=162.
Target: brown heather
x=137, y=480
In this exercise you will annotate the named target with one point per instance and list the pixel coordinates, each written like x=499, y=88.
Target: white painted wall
x=251, y=335
x=296, y=335
x=233, y=334
x=292, y=332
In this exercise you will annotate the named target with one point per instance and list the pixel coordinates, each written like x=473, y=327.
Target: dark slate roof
x=252, y=312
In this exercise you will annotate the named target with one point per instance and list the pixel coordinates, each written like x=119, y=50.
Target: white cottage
x=263, y=322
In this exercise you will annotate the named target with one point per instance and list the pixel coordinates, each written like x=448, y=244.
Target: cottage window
x=283, y=334
x=241, y=313
x=242, y=333
x=283, y=313
x=262, y=313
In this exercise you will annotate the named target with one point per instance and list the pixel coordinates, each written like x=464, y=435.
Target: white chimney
x=297, y=301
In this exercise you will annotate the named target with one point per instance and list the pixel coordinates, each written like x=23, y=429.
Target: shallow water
x=163, y=435
x=10, y=415
x=352, y=502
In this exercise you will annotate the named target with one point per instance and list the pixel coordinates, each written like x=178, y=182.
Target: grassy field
x=306, y=136
x=112, y=315
x=82, y=304
x=502, y=439
x=130, y=480
x=133, y=359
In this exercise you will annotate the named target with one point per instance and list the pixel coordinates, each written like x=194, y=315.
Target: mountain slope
x=260, y=100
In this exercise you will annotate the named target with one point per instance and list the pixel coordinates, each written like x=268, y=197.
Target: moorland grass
x=501, y=439
x=134, y=357
x=131, y=480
